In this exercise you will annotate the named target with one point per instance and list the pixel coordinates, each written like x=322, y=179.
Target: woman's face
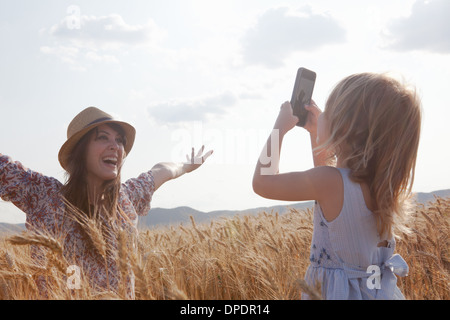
x=104, y=155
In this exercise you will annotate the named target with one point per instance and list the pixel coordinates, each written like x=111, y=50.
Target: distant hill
x=181, y=215
x=159, y=216
x=6, y=228
x=426, y=197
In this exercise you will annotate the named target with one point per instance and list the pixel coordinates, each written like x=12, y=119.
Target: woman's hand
x=194, y=162
x=286, y=119
x=165, y=171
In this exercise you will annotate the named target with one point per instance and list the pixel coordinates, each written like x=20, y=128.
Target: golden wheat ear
x=38, y=239
x=91, y=226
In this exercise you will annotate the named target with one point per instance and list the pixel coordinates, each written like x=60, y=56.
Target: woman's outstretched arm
x=28, y=190
x=165, y=171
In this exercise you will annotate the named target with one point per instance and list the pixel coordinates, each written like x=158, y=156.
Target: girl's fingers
x=311, y=109
x=313, y=106
x=285, y=104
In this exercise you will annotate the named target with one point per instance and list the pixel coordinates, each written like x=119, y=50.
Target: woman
x=92, y=156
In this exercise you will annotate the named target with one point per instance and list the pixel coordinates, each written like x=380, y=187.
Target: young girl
x=92, y=156
x=371, y=128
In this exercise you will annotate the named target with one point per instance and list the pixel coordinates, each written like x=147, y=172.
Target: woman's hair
x=75, y=190
x=375, y=126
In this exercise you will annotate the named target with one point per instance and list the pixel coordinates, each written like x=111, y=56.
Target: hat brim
x=67, y=147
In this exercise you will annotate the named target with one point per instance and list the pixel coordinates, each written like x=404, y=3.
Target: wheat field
x=239, y=258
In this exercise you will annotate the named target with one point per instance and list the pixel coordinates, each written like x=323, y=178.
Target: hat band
x=98, y=120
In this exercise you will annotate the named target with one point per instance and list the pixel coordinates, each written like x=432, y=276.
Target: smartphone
x=302, y=94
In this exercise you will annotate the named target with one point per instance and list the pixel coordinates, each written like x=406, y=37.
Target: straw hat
x=86, y=120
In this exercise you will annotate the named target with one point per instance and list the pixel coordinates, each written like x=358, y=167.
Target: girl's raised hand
x=311, y=120
x=286, y=119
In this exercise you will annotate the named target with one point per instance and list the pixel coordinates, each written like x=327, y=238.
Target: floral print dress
x=40, y=198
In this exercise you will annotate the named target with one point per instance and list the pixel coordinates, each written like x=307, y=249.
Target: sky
x=190, y=72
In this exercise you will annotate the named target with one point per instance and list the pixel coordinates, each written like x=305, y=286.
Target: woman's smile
x=111, y=161
x=104, y=155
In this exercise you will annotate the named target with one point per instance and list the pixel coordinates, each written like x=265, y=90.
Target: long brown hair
x=375, y=126
x=75, y=190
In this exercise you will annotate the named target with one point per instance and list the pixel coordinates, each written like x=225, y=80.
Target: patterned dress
x=40, y=198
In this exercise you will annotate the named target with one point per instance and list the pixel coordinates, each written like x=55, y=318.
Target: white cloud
x=427, y=28
x=67, y=54
x=105, y=58
x=92, y=39
x=106, y=32
x=281, y=31
x=196, y=109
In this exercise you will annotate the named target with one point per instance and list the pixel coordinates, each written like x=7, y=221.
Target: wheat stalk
x=37, y=239
x=91, y=226
x=250, y=257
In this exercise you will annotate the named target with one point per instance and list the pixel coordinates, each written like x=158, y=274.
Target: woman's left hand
x=165, y=171
x=195, y=161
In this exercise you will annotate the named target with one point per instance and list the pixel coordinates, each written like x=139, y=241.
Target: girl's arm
x=319, y=158
x=294, y=186
x=165, y=171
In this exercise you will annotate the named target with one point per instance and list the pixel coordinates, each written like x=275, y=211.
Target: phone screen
x=302, y=94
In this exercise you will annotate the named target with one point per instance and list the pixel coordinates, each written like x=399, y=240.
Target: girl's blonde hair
x=375, y=126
